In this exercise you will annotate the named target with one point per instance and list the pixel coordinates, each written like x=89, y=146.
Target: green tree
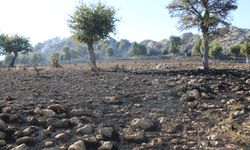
x=23, y=59
x=235, y=50
x=14, y=45
x=245, y=50
x=67, y=53
x=215, y=50
x=175, y=42
x=91, y=23
x=37, y=58
x=137, y=49
x=206, y=15
x=109, y=52
x=197, y=48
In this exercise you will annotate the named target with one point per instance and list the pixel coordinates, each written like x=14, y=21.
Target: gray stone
x=142, y=123
x=106, y=131
x=248, y=81
x=2, y=143
x=20, y=147
x=2, y=135
x=215, y=136
x=2, y=125
x=106, y=146
x=87, y=129
x=59, y=109
x=74, y=120
x=194, y=93
x=79, y=145
x=48, y=113
x=26, y=140
x=61, y=136
x=135, y=137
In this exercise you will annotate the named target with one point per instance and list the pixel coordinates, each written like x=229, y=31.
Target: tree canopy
x=14, y=45
x=206, y=15
x=91, y=23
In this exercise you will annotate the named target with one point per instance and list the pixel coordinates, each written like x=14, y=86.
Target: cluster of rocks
x=112, y=110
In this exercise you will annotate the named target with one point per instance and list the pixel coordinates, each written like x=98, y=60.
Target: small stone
x=174, y=141
x=248, y=81
x=77, y=112
x=87, y=129
x=20, y=147
x=135, y=137
x=231, y=101
x=194, y=93
x=2, y=143
x=59, y=109
x=142, y=123
x=48, y=113
x=57, y=123
x=2, y=135
x=238, y=113
x=226, y=127
x=162, y=120
x=2, y=125
x=106, y=132
x=106, y=146
x=26, y=140
x=74, y=120
x=48, y=143
x=111, y=99
x=79, y=145
x=61, y=136
x=215, y=136
x=9, y=98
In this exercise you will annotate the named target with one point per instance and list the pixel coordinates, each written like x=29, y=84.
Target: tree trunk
x=206, y=49
x=247, y=59
x=92, y=59
x=13, y=60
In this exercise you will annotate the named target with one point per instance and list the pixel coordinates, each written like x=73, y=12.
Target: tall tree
x=175, y=42
x=14, y=45
x=206, y=15
x=91, y=23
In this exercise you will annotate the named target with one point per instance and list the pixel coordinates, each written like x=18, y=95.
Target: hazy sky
x=40, y=20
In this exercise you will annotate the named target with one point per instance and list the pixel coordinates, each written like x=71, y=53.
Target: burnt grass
x=123, y=91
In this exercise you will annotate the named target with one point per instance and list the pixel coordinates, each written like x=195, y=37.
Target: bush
x=245, y=50
x=235, y=50
x=215, y=50
x=54, y=60
x=196, y=50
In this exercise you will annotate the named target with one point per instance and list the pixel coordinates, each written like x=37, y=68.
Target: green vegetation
x=235, y=50
x=245, y=50
x=13, y=45
x=175, y=43
x=91, y=23
x=137, y=50
x=197, y=48
x=206, y=15
x=54, y=60
x=215, y=51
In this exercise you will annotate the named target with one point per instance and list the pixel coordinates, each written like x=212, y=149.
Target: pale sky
x=40, y=20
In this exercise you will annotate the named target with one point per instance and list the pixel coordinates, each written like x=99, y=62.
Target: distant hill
x=121, y=48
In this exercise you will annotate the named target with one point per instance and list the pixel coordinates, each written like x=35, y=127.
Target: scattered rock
x=138, y=136
x=57, y=108
x=79, y=145
x=248, y=81
x=2, y=135
x=87, y=129
x=25, y=140
x=48, y=113
x=215, y=136
x=142, y=123
x=106, y=146
x=2, y=143
x=2, y=125
x=62, y=136
x=20, y=147
x=194, y=93
x=106, y=132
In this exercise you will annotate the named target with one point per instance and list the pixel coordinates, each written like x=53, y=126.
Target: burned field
x=126, y=105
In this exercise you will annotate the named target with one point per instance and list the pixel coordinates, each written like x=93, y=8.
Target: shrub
x=54, y=60
x=215, y=50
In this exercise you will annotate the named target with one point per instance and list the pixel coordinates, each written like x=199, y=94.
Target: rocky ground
x=133, y=105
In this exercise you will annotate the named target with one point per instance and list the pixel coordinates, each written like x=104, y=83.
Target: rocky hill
x=234, y=36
